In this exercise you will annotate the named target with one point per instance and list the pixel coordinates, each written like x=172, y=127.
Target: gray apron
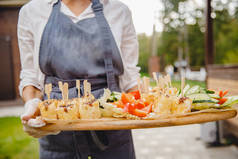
x=86, y=51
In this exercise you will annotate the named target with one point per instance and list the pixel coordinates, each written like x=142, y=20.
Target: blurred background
x=194, y=38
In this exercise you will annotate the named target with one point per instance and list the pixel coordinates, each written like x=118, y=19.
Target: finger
x=26, y=117
x=23, y=122
x=36, y=123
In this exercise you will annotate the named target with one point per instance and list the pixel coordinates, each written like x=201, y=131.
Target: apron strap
x=106, y=33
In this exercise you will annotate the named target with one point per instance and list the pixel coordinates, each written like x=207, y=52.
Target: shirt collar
x=54, y=1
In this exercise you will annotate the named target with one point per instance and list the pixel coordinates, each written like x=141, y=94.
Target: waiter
x=69, y=40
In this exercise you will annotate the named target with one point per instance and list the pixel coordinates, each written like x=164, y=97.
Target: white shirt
x=33, y=17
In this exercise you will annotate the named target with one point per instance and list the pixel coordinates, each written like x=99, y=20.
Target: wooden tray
x=160, y=121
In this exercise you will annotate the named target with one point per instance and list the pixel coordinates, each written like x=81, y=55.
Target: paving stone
x=179, y=142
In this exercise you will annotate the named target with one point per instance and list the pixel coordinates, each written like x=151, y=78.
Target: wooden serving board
x=159, y=121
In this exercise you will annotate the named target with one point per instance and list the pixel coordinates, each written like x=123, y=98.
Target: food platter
x=197, y=117
x=147, y=107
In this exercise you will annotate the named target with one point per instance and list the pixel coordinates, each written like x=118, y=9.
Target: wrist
x=32, y=102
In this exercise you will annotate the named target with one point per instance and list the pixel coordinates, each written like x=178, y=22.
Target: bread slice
x=68, y=110
x=48, y=109
x=89, y=108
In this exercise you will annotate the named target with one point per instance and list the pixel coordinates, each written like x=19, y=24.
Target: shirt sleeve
x=130, y=55
x=28, y=74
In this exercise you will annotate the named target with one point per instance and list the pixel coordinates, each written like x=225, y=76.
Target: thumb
x=26, y=116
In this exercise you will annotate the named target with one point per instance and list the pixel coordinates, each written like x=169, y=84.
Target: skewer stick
x=89, y=88
x=155, y=78
x=161, y=82
x=78, y=87
x=168, y=80
x=61, y=88
x=48, y=89
x=66, y=91
x=60, y=85
x=85, y=88
x=139, y=84
x=182, y=85
x=146, y=84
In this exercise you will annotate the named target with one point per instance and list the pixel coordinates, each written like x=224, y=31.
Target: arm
x=29, y=85
x=132, y=89
x=129, y=51
x=31, y=92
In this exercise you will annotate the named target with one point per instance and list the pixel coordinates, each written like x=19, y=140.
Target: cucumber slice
x=210, y=92
x=201, y=106
x=186, y=88
x=214, y=96
x=193, y=90
x=203, y=101
x=199, y=96
x=231, y=101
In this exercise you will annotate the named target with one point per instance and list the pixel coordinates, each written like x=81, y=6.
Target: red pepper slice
x=140, y=113
x=221, y=94
x=147, y=109
x=127, y=98
x=222, y=100
x=224, y=93
x=139, y=105
x=136, y=94
x=129, y=108
x=119, y=104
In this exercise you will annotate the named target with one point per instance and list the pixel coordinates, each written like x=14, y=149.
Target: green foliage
x=144, y=50
x=225, y=34
x=14, y=143
x=196, y=45
x=226, y=38
x=168, y=46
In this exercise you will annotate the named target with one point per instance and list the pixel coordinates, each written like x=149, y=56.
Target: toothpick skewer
x=85, y=88
x=61, y=88
x=182, y=85
x=168, y=80
x=48, y=89
x=78, y=87
x=60, y=85
x=89, y=88
x=146, y=83
x=139, y=84
x=66, y=91
x=155, y=78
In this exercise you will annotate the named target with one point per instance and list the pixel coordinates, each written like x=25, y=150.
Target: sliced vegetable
x=231, y=101
x=127, y=98
x=119, y=104
x=193, y=90
x=203, y=101
x=210, y=92
x=199, y=96
x=139, y=104
x=136, y=94
x=147, y=109
x=139, y=113
x=222, y=100
x=186, y=88
x=215, y=96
